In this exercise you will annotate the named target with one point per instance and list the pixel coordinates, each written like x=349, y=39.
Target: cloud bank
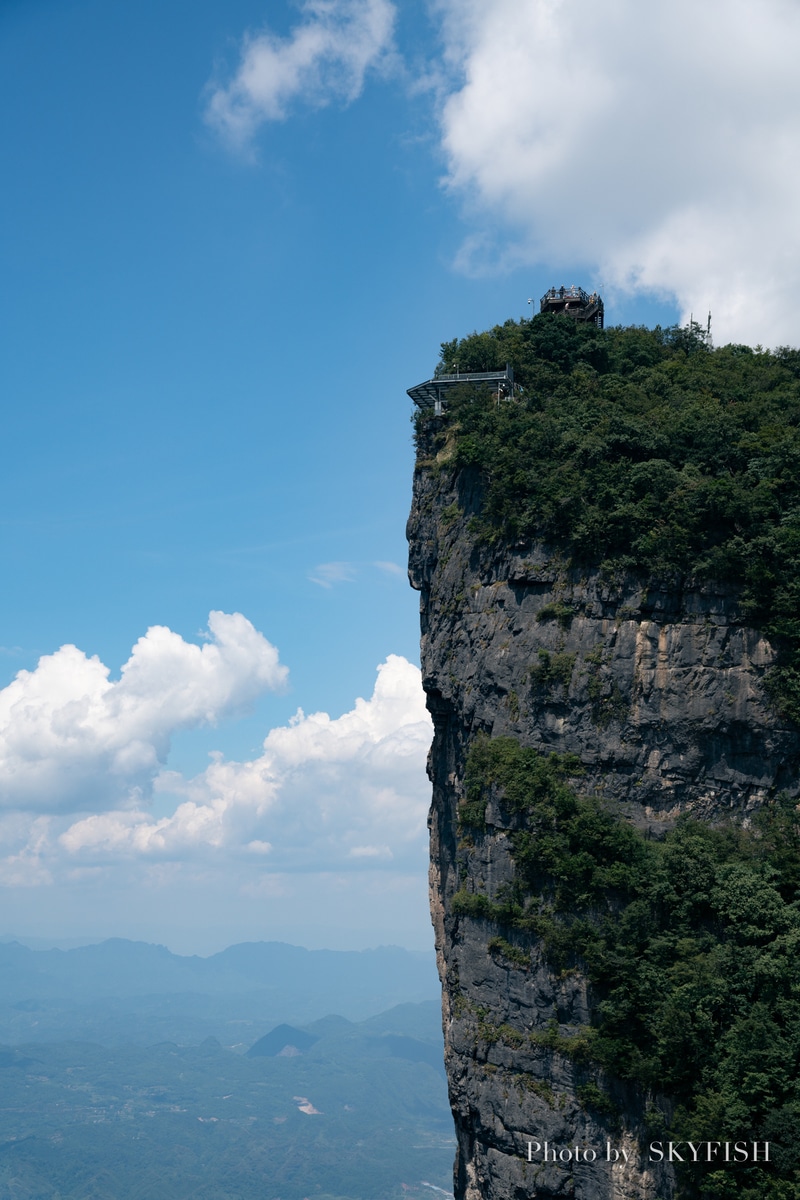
x=658, y=143
x=80, y=757
x=71, y=739
x=324, y=793
x=325, y=58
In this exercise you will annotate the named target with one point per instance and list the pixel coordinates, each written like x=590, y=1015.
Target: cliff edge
x=651, y=684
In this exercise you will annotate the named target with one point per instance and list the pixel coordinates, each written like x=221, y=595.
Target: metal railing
x=476, y=376
x=570, y=293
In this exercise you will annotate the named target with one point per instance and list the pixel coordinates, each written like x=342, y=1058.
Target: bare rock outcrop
x=658, y=689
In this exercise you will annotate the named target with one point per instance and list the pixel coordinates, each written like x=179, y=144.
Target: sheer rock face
x=659, y=692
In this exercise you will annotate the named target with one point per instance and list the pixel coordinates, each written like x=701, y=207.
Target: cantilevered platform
x=432, y=392
x=574, y=302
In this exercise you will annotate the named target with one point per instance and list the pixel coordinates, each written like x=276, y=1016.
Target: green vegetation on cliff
x=642, y=450
x=691, y=945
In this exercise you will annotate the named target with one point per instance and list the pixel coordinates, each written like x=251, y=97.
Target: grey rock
x=659, y=691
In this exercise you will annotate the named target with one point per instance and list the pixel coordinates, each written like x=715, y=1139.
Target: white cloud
x=391, y=568
x=27, y=838
x=370, y=852
x=73, y=740
x=325, y=58
x=134, y=834
x=658, y=142
x=328, y=574
x=323, y=792
x=257, y=847
x=346, y=794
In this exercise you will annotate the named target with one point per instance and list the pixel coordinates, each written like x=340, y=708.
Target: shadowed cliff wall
x=659, y=691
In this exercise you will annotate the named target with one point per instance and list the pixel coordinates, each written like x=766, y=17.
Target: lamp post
x=530, y=301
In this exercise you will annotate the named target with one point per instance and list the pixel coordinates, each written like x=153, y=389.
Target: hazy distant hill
x=132, y=991
x=283, y=1039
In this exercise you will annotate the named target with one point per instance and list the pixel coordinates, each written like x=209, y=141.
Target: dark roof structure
x=432, y=392
x=574, y=302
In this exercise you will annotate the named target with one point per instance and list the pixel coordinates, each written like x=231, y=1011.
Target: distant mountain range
x=119, y=990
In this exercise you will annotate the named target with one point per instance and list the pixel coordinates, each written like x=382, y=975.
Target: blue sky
x=232, y=236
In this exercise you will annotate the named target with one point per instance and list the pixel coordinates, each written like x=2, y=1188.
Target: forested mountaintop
x=641, y=449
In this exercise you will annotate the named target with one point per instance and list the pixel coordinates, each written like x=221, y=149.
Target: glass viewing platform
x=432, y=392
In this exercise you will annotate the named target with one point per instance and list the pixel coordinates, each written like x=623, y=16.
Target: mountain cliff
x=606, y=565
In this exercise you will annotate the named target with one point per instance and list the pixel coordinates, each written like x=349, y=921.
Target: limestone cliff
x=659, y=691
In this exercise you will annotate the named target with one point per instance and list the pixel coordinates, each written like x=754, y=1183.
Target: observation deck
x=574, y=302
x=432, y=392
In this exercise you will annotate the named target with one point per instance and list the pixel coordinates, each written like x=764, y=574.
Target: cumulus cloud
x=323, y=792
x=659, y=143
x=73, y=740
x=325, y=58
